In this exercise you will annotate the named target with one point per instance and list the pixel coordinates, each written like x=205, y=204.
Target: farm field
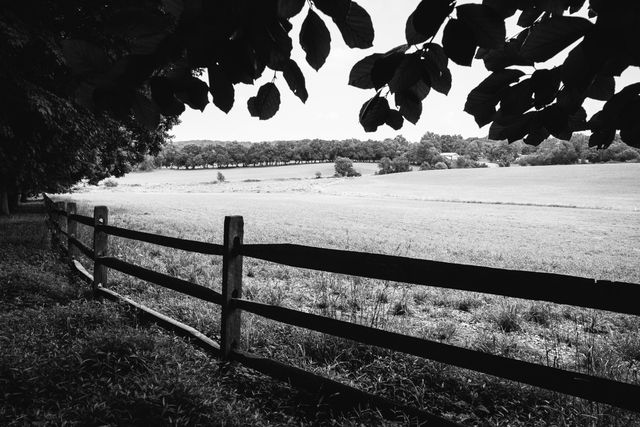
x=580, y=220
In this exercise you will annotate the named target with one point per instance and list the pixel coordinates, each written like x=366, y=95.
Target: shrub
x=110, y=182
x=318, y=175
x=440, y=165
x=398, y=164
x=627, y=155
x=344, y=167
x=221, y=177
x=147, y=164
x=425, y=166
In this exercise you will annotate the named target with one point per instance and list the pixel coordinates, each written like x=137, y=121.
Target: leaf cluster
x=168, y=45
x=517, y=104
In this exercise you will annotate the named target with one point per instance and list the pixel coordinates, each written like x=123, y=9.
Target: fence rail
x=557, y=288
x=613, y=296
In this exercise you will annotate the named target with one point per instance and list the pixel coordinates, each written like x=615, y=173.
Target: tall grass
x=589, y=341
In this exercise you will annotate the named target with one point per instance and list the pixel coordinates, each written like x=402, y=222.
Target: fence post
x=100, y=247
x=58, y=206
x=231, y=284
x=72, y=230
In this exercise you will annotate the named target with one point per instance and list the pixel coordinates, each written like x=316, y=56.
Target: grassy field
x=203, y=176
x=579, y=220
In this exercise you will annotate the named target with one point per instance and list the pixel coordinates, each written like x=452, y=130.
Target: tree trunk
x=13, y=200
x=4, y=200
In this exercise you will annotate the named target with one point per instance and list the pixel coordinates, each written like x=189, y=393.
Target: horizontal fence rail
x=85, y=220
x=84, y=249
x=586, y=386
x=166, y=281
x=172, y=242
x=604, y=295
x=179, y=285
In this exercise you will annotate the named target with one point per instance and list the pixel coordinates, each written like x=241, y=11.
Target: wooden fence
x=604, y=295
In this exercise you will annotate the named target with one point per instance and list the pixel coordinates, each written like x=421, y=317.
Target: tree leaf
x=505, y=8
x=602, y=138
x=315, y=40
x=192, y=91
x=408, y=72
x=83, y=57
x=517, y=99
x=173, y=7
x=374, y=113
x=295, y=79
x=545, y=85
x=394, y=119
x=602, y=88
x=511, y=128
x=578, y=120
x=266, y=103
x=162, y=94
x=536, y=136
x=384, y=68
x=336, y=9
x=356, y=28
x=529, y=16
x=575, y=5
x=482, y=100
x=439, y=74
x=459, y=42
x=410, y=33
x=549, y=37
x=145, y=111
x=509, y=54
x=289, y=8
x=429, y=16
x=409, y=106
x=221, y=89
x=360, y=75
x=487, y=26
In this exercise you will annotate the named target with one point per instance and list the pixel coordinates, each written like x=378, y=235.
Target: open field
x=203, y=176
x=579, y=220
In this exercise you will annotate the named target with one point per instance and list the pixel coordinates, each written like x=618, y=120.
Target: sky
x=331, y=112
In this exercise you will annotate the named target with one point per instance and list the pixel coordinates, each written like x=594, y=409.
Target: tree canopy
x=88, y=85
x=237, y=41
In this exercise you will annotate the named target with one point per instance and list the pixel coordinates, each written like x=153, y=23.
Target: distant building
x=450, y=156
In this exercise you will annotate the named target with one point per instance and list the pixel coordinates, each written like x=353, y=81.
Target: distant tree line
x=433, y=151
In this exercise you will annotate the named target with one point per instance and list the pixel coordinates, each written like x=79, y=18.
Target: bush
x=627, y=155
x=147, y=164
x=344, y=167
x=318, y=175
x=463, y=162
x=110, y=182
x=221, y=177
x=440, y=165
x=398, y=164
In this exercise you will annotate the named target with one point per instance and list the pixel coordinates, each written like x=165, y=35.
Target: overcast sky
x=331, y=112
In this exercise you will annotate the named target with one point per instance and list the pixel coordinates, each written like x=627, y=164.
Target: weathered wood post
x=100, y=247
x=72, y=230
x=58, y=206
x=231, y=284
